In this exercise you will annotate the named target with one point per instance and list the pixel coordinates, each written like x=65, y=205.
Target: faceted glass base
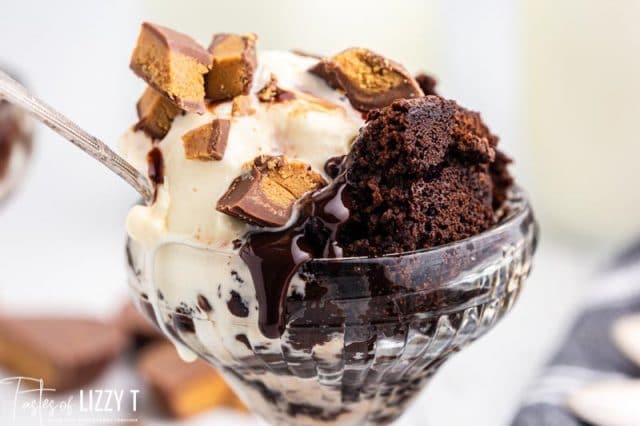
x=363, y=335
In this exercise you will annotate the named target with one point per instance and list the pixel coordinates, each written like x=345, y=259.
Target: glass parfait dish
x=362, y=336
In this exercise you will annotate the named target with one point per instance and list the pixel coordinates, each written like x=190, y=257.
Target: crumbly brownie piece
x=440, y=179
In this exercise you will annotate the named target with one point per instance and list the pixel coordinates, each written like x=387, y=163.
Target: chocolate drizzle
x=156, y=166
x=333, y=166
x=273, y=258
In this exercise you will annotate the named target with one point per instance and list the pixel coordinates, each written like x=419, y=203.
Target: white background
x=61, y=236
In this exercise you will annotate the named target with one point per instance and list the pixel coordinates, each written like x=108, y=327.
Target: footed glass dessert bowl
x=361, y=336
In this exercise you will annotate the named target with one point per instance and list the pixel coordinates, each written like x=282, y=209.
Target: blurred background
x=557, y=81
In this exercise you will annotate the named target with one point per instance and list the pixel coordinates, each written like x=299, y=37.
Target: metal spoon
x=15, y=93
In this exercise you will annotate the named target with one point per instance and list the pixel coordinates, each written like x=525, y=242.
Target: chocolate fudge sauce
x=273, y=258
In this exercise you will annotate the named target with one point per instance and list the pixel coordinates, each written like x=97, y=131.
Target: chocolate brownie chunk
x=440, y=183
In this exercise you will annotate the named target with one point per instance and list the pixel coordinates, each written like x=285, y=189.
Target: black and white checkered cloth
x=588, y=353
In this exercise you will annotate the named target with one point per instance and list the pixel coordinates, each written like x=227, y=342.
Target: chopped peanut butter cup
x=265, y=194
x=207, y=142
x=369, y=80
x=234, y=62
x=156, y=113
x=173, y=63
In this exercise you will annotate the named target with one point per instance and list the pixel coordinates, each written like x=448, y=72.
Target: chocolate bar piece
x=234, y=62
x=137, y=327
x=64, y=352
x=207, y=142
x=369, y=80
x=264, y=195
x=172, y=63
x=155, y=113
x=182, y=388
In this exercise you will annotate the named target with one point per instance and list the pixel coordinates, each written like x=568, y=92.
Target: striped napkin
x=588, y=355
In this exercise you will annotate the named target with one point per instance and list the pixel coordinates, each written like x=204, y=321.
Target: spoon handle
x=17, y=94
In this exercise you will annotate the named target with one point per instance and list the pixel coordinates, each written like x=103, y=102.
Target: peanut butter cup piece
x=207, y=142
x=173, y=63
x=155, y=113
x=234, y=62
x=369, y=80
x=265, y=194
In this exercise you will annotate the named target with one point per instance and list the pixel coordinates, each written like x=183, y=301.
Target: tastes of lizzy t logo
x=28, y=398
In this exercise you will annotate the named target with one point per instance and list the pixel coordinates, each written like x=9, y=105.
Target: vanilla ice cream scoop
x=308, y=125
x=311, y=125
